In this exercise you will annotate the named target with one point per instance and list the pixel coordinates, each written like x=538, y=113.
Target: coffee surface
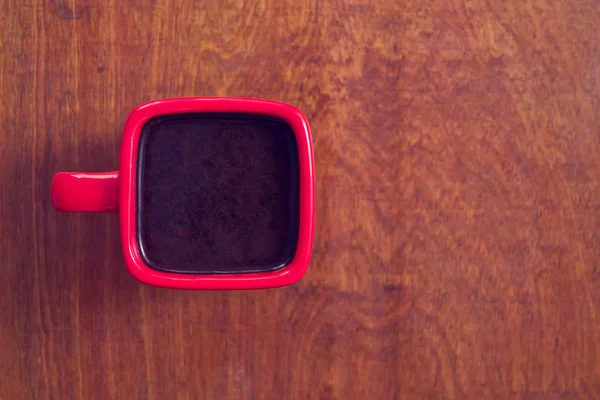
x=217, y=193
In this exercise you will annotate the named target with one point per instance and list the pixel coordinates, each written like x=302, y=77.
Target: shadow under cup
x=217, y=193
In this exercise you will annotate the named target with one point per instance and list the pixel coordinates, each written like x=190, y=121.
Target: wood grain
x=457, y=147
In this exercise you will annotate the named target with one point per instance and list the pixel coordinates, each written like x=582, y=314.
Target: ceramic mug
x=212, y=193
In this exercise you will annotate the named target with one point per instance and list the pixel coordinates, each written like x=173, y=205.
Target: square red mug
x=116, y=192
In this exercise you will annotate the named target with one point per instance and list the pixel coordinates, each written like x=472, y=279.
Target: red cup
x=116, y=192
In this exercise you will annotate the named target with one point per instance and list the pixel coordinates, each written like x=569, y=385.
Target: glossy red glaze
x=86, y=192
x=127, y=194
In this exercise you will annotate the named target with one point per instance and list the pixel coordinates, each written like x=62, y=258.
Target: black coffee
x=218, y=193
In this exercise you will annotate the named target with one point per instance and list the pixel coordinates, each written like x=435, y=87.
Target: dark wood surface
x=457, y=150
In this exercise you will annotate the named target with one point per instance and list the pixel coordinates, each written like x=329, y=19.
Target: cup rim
x=290, y=273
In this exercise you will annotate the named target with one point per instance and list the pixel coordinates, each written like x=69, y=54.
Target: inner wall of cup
x=217, y=193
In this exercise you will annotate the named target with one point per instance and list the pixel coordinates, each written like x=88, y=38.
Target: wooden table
x=457, y=149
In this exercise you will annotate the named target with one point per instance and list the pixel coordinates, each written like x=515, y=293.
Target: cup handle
x=86, y=192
